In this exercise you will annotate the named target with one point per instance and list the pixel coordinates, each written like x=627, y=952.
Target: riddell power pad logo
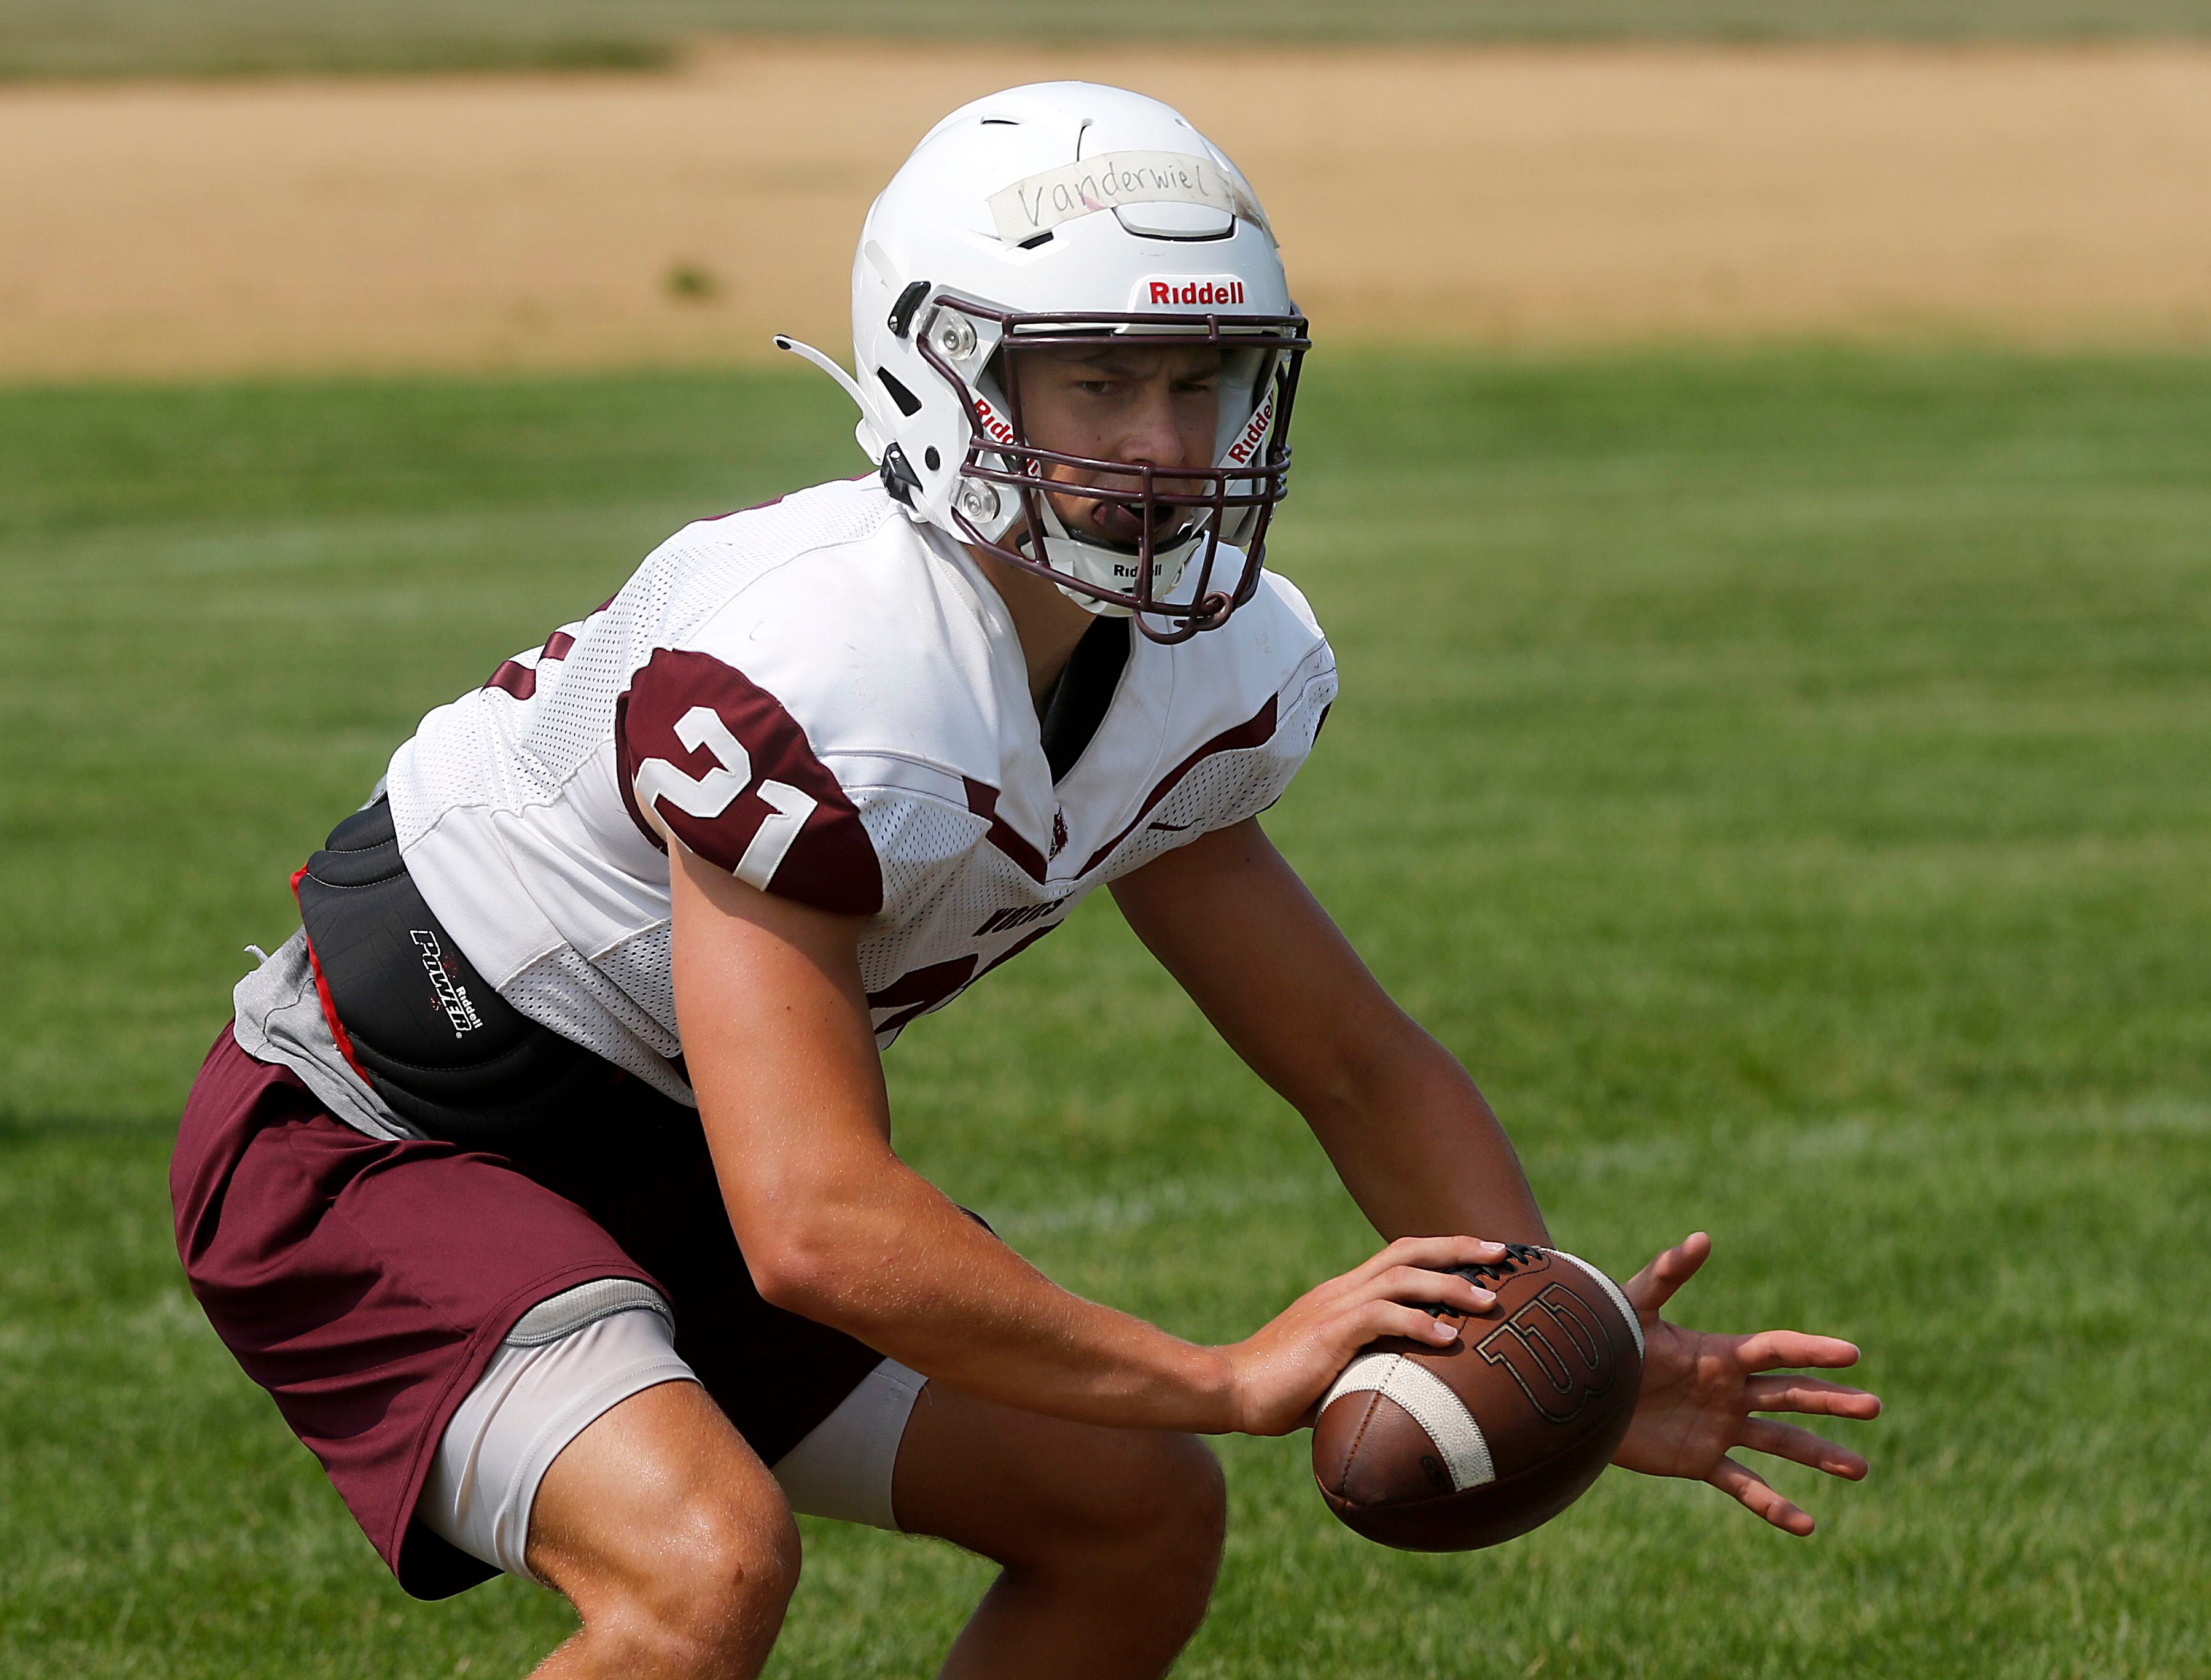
x=450, y=998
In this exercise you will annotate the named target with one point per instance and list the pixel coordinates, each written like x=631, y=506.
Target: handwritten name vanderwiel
x=1043, y=201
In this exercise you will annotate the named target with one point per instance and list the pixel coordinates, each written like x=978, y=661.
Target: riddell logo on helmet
x=995, y=426
x=1240, y=451
x=1192, y=293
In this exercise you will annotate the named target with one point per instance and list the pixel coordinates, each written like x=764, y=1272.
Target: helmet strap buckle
x=898, y=476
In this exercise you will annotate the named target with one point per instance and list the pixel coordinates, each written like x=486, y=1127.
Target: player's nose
x=1150, y=435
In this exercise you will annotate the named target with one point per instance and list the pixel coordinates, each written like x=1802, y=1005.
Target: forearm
x=903, y=1269
x=1417, y=1146
x=834, y=1226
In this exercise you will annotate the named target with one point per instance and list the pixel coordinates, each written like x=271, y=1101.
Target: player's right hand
x=1278, y=1376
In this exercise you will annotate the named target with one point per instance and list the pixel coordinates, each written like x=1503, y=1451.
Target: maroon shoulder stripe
x=514, y=677
x=520, y=681
x=983, y=801
x=1254, y=731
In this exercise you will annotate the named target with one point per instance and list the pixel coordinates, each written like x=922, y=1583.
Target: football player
x=544, y=1177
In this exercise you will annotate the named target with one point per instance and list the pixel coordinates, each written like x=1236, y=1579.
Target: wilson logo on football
x=1556, y=1349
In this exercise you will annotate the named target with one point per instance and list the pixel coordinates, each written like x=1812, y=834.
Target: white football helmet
x=1069, y=215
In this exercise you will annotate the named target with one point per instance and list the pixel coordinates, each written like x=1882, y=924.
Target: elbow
x=816, y=1244
x=789, y=1275
x=796, y=1273
x=1354, y=1080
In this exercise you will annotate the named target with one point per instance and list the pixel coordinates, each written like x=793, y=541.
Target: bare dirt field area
x=1503, y=195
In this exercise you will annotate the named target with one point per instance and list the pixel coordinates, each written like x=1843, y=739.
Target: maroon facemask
x=1230, y=501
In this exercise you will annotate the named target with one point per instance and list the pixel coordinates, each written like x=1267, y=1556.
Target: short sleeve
x=1235, y=773
x=708, y=755
x=1292, y=723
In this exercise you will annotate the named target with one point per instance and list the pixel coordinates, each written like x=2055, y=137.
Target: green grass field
x=1786, y=777
x=101, y=38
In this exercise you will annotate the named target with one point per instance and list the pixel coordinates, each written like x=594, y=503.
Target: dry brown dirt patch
x=1497, y=195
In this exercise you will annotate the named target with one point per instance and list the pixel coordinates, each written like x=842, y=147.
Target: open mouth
x=1124, y=527
x=1118, y=524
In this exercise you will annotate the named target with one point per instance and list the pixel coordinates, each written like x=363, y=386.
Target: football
x=1447, y=1449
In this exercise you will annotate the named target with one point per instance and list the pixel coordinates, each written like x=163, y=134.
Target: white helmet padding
x=1069, y=215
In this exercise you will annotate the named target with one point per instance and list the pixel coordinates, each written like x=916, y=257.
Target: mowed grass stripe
x=1780, y=775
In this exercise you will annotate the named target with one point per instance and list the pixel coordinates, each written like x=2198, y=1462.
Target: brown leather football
x=1446, y=1449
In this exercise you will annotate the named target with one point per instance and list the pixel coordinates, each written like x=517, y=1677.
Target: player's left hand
x=1699, y=1391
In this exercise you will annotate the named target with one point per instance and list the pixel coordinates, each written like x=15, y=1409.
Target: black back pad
x=431, y=1034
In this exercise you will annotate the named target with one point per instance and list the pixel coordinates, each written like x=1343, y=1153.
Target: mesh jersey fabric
x=830, y=700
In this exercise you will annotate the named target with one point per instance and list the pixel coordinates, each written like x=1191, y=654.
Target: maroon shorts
x=365, y=1283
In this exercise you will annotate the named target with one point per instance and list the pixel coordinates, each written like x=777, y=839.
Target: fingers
x=1653, y=1287
x=1432, y=1253
x=1772, y=1349
x=1392, y=1318
x=1786, y=1441
x=1399, y=1301
x=1439, y=1289
x=1755, y=1495
x=1278, y=1374
x=1397, y=1289
x=1811, y=1394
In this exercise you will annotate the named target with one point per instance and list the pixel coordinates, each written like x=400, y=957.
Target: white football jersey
x=829, y=701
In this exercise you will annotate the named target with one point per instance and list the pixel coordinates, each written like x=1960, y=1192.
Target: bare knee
x=1127, y=1523
x=708, y=1603
x=670, y=1538
x=1159, y=1509
x=1190, y=1516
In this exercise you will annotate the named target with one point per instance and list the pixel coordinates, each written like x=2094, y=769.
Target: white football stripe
x=1618, y=1300
x=1433, y=1405
x=1367, y=1373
